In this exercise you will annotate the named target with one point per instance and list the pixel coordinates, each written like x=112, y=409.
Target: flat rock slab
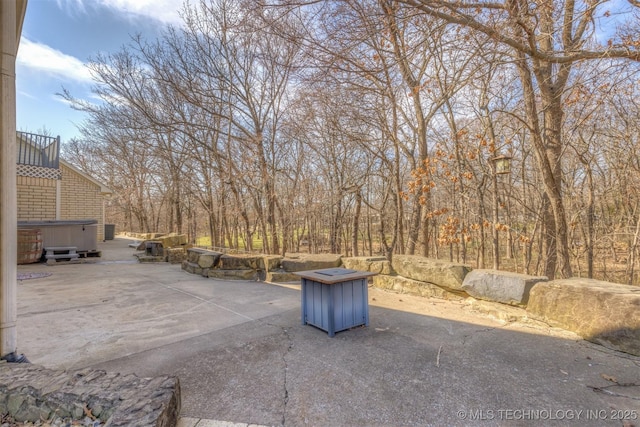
x=379, y=265
x=304, y=262
x=412, y=287
x=233, y=274
x=34, y=393
x=601, y=312
x=241, y=262
x=500, y=286
x=208, y=260
x=281, y=277
x=193, y=254
x=441, y=273
x=173, y=240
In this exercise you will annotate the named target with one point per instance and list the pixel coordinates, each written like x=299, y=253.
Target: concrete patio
x=243, y=356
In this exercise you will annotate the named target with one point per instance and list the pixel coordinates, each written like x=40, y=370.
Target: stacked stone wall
x=32, y=393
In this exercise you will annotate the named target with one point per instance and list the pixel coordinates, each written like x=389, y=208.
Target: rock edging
x=32, y=393
x=563, y=304
x=601, y=312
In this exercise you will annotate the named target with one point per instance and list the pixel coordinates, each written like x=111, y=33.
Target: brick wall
x=36, y=198
x=80, y=198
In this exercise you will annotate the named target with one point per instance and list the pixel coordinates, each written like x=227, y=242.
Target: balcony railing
x=38, y=150
x=38, y=155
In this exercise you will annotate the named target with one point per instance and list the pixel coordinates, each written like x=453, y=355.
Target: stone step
x=55, y=253
x=68, y=249
x=62, y=256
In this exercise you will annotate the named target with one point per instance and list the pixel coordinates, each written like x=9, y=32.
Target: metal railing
x=38, y=150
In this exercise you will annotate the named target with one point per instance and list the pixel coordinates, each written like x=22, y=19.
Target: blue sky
x=59, y=37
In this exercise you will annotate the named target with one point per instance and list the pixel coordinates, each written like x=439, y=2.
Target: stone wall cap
x=585, y=283
x=508, y=274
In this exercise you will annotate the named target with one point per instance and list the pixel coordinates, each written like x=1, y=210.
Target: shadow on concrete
x=403, y=370
x=242, y=354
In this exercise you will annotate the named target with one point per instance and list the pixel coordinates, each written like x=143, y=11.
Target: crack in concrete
x=285, y=400
x=285, y=397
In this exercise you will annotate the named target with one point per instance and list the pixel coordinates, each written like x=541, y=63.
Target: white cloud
x=165, y=11
x=44, y=59
x=26, y=95
x=72, y=4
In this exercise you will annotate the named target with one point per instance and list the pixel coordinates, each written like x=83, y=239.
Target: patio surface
x=243, y=356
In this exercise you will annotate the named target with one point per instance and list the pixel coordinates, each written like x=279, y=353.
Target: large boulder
x=175, y=255
x=203, y=258
x=233, y=274
x=172, y=240
x=601, y=312
x=194, y=268
x=304, y=262
x=165, y=240
x=281, y=276
x=146, y=236
x=500, y=286
x=379, y=265
x=271, y=262
x=241, y=262
x=194, y=253
x=209, y=260
x=441, y=273
x=412, y=287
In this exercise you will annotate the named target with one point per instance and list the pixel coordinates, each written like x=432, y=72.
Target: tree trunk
x=548, y=150
x=356, y=222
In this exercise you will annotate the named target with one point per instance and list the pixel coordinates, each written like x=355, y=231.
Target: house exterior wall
x=79, y=199
x=36, y=198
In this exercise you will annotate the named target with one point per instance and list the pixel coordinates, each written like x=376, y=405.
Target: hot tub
x=81, y=233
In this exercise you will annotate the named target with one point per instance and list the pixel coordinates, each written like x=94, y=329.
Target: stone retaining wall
x=500, y=286
x=31, y=393
x=601, y=312
x=558, y=303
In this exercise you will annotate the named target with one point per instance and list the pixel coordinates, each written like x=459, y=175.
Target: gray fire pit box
x=335, y=299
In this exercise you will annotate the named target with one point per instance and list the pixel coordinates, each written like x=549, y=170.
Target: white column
x=11, y=18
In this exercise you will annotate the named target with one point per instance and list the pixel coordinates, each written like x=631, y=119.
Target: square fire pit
x=335, y=299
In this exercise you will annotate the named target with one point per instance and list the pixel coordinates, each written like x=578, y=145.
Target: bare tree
x=545, y=40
